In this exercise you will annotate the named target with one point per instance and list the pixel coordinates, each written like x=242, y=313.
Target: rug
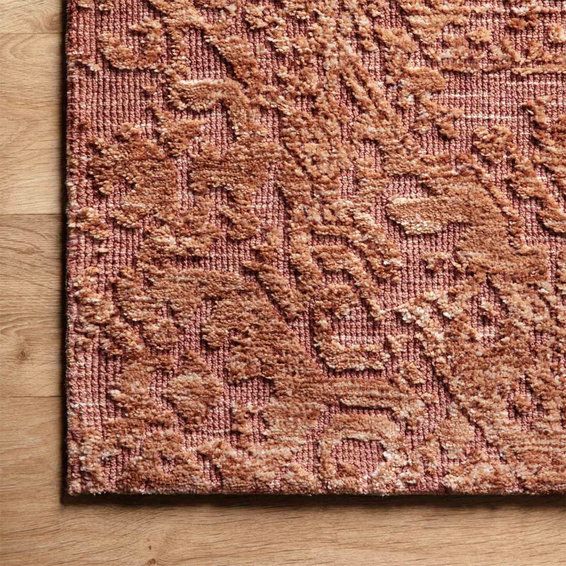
x=316, y=246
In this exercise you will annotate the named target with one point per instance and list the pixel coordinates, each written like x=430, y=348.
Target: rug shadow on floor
x=492, y=502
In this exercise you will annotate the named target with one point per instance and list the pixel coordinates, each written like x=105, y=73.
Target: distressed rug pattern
x=316, y=246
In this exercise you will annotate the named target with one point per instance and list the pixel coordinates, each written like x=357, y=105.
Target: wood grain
x=30, y=122
x=31, y=16
x=38, y=527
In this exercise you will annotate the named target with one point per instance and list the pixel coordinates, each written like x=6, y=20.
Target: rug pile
x=316, y=246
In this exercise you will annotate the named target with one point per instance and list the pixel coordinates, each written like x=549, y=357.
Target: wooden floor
x=38, y=527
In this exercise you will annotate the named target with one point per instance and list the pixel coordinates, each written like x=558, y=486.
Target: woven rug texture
x=316, y=246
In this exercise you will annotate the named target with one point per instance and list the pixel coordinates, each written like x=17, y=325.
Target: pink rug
x=316, y=246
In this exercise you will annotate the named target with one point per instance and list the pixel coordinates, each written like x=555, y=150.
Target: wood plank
x=35, y=16
x=30, y=307
x=31, y=70
x=20, y=194
x=38, y=528
x=30, y=121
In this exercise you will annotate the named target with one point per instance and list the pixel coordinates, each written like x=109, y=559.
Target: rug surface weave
x=316, y=246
